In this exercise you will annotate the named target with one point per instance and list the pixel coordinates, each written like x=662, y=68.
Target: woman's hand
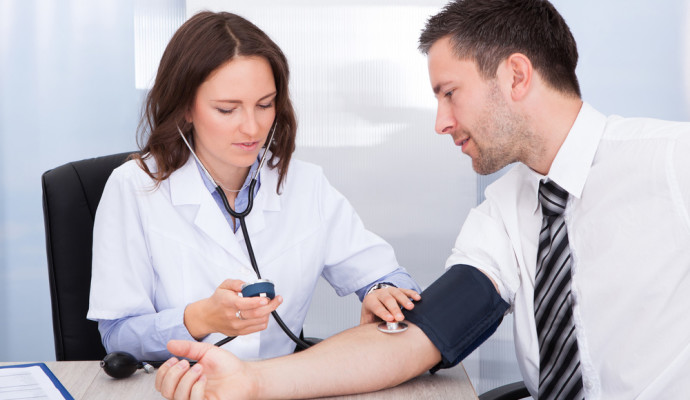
x=385, y=304
x=228, y=313
x=217, y=375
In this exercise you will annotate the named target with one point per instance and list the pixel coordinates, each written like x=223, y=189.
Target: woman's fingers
x=385, y=304
x=411, y=294
x=390, y=302
x=232, y=284
x=252, y=310
x=402, y=297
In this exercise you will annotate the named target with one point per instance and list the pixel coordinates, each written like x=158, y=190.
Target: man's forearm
x=358, y=360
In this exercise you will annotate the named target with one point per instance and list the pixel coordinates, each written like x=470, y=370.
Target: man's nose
x=445, y=122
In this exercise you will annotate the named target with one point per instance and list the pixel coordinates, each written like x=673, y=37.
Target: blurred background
x=73, y=74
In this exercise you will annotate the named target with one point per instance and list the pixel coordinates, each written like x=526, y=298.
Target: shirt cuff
x=398, y=278
x=145, y=336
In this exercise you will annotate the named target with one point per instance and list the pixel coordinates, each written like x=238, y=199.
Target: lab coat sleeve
x=123, y=280
x=145, y=336
x=354, y=257
x=400, y=278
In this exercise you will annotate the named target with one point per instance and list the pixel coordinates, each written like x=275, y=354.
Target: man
x=585, y=239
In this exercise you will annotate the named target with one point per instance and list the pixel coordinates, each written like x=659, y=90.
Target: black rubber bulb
x=120, y=364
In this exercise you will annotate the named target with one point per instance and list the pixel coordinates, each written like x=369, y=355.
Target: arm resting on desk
x=358, y=360
x=361, y=359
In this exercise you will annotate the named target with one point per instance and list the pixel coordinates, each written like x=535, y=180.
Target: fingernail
x=264, y=302
x=196, y=368
x=182, y=364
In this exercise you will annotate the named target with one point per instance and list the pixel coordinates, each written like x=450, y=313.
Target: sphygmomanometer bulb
x=120, y=364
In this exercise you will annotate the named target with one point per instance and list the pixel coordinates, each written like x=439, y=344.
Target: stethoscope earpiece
x=120, y=364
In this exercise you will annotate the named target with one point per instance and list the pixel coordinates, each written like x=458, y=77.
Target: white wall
x=68, y=91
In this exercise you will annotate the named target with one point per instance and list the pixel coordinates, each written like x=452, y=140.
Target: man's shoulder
x=621, y=128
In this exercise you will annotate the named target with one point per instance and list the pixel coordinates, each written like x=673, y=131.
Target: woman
x=169, y=260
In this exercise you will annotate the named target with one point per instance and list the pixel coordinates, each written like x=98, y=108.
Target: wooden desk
x=85, y=380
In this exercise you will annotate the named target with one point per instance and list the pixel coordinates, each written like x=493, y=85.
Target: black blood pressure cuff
x=458, y=312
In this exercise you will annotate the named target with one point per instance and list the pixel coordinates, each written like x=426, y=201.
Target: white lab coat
x=166, y=247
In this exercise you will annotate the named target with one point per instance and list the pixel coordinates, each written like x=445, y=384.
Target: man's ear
x=516, y=70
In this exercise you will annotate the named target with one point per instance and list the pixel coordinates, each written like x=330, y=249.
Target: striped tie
x=559, y=361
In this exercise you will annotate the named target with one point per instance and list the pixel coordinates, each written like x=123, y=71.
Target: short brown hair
x=203, y=43
x=488, y=31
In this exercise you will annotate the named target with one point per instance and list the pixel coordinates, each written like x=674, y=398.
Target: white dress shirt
x=629, y=231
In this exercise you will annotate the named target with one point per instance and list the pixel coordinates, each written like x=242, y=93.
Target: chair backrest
x=71, y=193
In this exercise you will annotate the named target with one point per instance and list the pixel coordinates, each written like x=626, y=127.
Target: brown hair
x=201, y=45
x=488, y=31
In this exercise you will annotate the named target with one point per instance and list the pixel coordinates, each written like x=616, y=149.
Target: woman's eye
x=225, y=111
x=449, y=93
x=266, y=106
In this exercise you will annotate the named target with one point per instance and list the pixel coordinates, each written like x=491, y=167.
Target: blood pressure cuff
x=458, y=312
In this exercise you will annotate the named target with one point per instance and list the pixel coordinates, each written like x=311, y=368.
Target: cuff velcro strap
x=458, y=312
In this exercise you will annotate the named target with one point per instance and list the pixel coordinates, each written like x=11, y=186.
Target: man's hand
x=218, y=374
x=385, y=304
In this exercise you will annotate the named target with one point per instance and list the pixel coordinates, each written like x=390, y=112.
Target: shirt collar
x=573, y=161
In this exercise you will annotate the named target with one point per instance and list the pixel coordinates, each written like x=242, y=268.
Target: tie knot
x=552, y=198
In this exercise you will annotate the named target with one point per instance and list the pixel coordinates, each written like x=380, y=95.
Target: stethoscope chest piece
x=392, y=327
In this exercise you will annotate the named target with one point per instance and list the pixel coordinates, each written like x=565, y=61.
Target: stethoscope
x=121, y=364
x=386, y=327
x=241, y=216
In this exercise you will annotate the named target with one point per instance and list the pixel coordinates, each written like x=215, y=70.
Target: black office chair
x=71, y=194
x=512, y=391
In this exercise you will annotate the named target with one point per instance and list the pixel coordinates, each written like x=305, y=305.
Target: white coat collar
x=187, y=189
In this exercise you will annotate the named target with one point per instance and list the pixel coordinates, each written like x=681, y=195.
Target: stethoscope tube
x=243, y=225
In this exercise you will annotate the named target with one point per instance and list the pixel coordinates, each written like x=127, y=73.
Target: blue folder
x=50, y=375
